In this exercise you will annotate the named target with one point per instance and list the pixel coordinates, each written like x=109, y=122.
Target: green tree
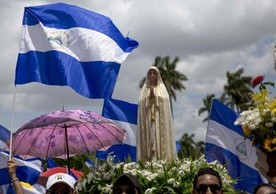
x=189, y=148
x=237, y=91
x=200, y=148
x=170, y=76
x=207, y=102
x=77, y=162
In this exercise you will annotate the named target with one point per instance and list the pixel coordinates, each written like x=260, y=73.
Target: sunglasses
x=119, y=190
x=202, y=188
x=59, y=191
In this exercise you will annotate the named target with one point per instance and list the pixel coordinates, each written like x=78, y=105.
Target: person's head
x=60, y=183
x=207, y=180
x=127, y=184
x=264, y=189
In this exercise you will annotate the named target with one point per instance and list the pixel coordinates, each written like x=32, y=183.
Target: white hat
x=60, y=178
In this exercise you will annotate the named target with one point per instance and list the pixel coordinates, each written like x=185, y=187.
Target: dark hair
x=207, y=170
x=130, y=180
x=263, y=185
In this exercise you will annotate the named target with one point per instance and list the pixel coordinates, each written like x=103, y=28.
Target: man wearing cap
x=127, y=184
x=60, y=183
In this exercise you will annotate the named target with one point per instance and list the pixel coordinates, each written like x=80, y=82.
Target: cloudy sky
x=210, y=38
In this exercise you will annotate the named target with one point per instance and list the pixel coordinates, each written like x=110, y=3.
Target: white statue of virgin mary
x=155, y=136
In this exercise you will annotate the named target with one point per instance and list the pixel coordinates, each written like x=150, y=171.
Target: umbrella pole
x=67, y=148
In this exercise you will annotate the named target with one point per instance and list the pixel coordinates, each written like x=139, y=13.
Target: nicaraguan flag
x=225, y=143
x=27, y=171
x=30, y=189
x=89, y=163
x=4, y=137
x=67, y=45
x=50, y=163
x=124, y=114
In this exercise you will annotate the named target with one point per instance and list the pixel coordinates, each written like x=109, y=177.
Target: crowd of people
x=206, y=181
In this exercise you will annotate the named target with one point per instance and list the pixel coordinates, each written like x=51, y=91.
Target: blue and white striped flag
x=4, y=137
x=50, y=163
x=89, y=163
x=124, y=114
x=32, y=189
x=27, y=171
x=225, y=143
x=67, y=45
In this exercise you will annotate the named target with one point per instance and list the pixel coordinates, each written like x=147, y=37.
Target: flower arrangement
x=259, y=122
x=174, y=176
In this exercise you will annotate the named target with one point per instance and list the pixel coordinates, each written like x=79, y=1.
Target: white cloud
x=210, y=38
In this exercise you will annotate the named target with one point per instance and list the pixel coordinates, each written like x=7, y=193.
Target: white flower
x=251, y=118
x=173, y=182
x=273, y=119
x=107, y=188
x=269, y=124
x=150, y=174
x=150, y=190
x=107, y=176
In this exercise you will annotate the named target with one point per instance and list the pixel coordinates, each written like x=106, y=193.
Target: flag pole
x=12, y=120
x=274, y=56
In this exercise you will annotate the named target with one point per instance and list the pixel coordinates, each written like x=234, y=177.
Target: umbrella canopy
x=65, y=133
x=43, y=177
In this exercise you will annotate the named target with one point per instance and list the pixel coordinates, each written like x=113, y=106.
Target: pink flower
x=257, y=80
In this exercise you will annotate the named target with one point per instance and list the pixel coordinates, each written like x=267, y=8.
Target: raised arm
x=15, y=181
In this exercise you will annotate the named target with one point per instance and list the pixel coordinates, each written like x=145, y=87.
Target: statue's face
x=152, y=76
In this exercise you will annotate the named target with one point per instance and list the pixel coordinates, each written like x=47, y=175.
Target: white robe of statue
x=155, y=134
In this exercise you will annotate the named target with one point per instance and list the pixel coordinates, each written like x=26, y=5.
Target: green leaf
x=269, y=83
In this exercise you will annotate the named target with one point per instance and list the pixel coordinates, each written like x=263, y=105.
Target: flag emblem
x=241, y=148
